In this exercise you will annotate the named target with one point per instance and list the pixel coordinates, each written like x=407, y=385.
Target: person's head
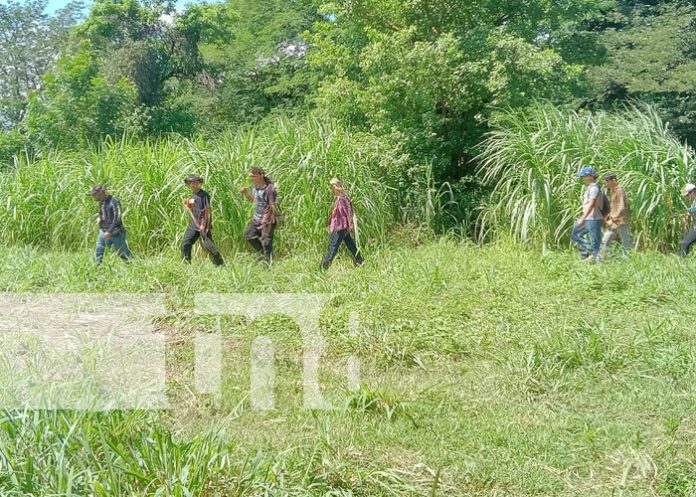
x=99, y=193
x=588, y=175
x=610, y=180
x=337, y=186
x=690, y=191
x=194, y=182
x=258, y=176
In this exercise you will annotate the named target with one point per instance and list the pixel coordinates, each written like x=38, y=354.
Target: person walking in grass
x=201, y=223
x=112, y=233
x=340, y=224
x=259, y=231
x=690, y=238
x=619, y=218
x=587, y=232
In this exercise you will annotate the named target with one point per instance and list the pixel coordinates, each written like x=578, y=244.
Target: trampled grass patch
x=483, y=371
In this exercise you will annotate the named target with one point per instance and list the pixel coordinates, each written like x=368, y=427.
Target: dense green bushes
x=530, y=159
x=45, y=202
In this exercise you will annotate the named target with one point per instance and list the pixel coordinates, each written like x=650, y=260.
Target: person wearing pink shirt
x=340, y=225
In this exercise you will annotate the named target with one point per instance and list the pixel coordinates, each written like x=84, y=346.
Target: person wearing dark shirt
x=112, y=233
x=340, y=223
x=259, y=231
x=201, y=224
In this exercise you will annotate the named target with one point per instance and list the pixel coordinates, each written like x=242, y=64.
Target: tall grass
x=45, y=203
x=531, y=156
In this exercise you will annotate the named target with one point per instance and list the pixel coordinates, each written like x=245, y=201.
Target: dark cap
x=97, y=189
x=193, y=177
x=257, y=170
x=610, y=176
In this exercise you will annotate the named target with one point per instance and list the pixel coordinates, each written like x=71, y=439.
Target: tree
x=78, y=105
x=429, y=71
x=30, y=42
x=651, y=56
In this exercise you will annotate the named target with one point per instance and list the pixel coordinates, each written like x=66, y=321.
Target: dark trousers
x=687, y=242
x=191, y=236
x=335, y=241
x=260, y=237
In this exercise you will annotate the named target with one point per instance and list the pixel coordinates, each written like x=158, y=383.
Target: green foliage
x=30, y=41
x=301, y=156
x=450, y=335
x=12, y=143
x=648, y=54
x=428, y=71
x=78, y=105
x=257, y=52
x=530, y=159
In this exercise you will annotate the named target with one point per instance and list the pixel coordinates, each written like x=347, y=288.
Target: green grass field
x=485, y=371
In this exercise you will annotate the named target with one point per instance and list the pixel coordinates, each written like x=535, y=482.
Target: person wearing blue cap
x=590, y=224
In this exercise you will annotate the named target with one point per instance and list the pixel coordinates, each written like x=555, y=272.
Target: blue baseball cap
x=587, y=171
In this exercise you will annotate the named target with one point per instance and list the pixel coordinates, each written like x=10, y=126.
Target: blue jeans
x=116, y=241
x=593, y=228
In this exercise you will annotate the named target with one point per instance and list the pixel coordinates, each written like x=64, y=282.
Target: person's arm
x=247, y=194
x=272, y=199
x=204, y=225
x=115, y=208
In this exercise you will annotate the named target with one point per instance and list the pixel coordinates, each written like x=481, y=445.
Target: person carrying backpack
x=259, y=231
x=587, y=232
x=618, y=218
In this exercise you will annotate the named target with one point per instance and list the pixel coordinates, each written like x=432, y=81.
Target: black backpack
x=605, y=203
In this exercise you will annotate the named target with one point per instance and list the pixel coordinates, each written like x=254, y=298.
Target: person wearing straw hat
x=259, y=231
x=198, y=206
x=618, y=220
x=689, y=191
x=112, y=233
x=340, y=223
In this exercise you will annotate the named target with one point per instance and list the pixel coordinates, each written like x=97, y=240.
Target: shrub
x=530, y=158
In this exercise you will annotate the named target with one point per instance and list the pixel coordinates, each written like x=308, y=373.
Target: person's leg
x=121, y=245
x=578, y=236
x=101, y=247
x=609, y=235
x=190, y=237
x=209, y=246
x=594, y=228
x=267, y=241
x=687, y=242
x=251, y=235
x=626, y=240
x=335, y=240
x=350, y=244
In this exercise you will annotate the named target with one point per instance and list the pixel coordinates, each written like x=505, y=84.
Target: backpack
x=605, y=206
x=279, y=212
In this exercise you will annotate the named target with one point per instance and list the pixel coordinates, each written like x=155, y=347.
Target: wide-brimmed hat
x=690, y=187
x=193, y=177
